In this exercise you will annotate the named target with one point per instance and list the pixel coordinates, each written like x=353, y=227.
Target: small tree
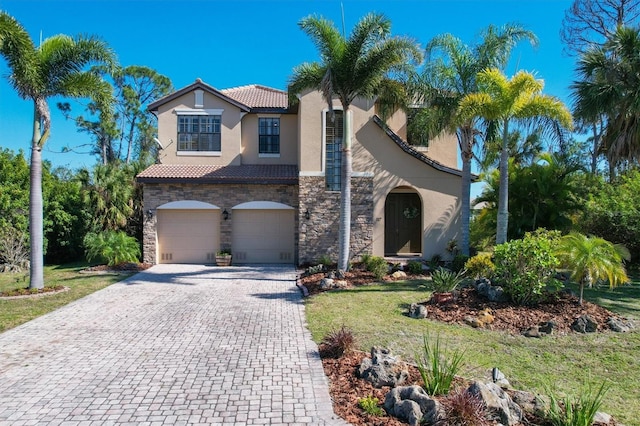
x=591, y=259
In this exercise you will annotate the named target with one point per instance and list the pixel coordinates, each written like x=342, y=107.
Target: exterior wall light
x=307, y=215
x=150, y=214
x=225, y=214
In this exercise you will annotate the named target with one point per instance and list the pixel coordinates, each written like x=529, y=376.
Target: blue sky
x=231, y=43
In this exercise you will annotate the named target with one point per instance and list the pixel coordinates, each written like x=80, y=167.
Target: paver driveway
x=176, y=344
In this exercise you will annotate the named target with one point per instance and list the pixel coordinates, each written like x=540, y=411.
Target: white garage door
x=188, y=236
x=263, y=236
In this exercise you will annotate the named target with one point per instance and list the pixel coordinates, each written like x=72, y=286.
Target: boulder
x=533, y=331
x=601, y=418
x=472, y=321
x=412, y=404
x=547, y=327
x=584, y=324
x=383, y=369
x=326, y=283
x=416, y=310
x=619, y=326
x=498, y=402
x=530, y=403
x=398, y=275
x=495, y=294
x=499, y=378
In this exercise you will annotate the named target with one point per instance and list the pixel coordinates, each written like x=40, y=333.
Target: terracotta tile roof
x=256, y=96
x=417, y=154
x=246, y=173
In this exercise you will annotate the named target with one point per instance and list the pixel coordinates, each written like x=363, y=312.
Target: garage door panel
x=188, y=236
x=263, y=236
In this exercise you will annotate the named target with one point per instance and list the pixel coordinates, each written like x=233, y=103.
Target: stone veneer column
x=319, y=234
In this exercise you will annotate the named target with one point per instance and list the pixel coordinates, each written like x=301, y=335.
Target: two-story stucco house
x=242, y=169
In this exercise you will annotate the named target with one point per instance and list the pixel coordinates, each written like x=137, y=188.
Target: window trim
x=325, y=112
x=198, y=112
x=270, y=154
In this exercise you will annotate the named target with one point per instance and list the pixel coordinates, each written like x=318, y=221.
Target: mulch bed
x=126, y=267
x=19, y=293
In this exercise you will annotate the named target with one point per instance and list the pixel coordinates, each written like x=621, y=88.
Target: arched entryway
x=403, y=222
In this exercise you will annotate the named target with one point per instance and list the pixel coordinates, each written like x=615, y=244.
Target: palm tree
x=449, y=75
x=357, y=66
x=591, y=259
x=609, y=87
x=55, y=68
x=501, y=101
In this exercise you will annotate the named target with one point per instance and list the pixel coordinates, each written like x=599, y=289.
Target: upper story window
x=333, y=148
x=268, y=135
x=199, y=133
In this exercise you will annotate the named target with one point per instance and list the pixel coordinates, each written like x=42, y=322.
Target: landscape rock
x=533, y=331
x=326, y=283
x=499, y=378
x=412, y=404
x=619, y=326
x=601, y=418
x=417, y=310
x=498, y=402
x=530, y=403
x=540, y=330
x=495, y=294
x=584, y=324
x=472, y=321
x=383, y=369
x=331, y=275
x=399, y=274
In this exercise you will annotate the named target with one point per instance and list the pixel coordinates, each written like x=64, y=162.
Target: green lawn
x=560, y=363
x=14, y=312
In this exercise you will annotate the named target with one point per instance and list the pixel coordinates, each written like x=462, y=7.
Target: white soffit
x=188, y=205
x=262, y=205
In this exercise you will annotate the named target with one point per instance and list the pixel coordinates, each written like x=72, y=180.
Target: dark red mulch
x=26, y=291
x=122, y=267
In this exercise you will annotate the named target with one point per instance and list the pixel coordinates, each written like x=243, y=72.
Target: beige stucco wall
x=230, y=131
x=375, y=154
x=443, y=149
x=288, y=140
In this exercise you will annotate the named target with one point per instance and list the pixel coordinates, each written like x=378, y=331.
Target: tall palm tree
x=609, y=87
x=591, y=259
x=55, y=68
x=501, y=101
x=449, y=75
x=357, y=66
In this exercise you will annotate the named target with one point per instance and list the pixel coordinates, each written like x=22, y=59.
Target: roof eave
x=198, y=84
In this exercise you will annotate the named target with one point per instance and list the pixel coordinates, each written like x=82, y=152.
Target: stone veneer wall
x=223, y=196
x=318, y=235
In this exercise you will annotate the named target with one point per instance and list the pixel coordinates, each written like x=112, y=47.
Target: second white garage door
x=263, y=235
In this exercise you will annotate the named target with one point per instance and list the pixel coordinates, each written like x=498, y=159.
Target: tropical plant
x=54, y=68
x=14, y=251
x=444, y=280
x=526, y=267
x=609, y=86
x=370, y=406
x=501, y=101
x=437, y=367
x=357, y=66
x=591, y=259
x=111, y=246
x=449, y=75
x=545, y=194
x=579, y=410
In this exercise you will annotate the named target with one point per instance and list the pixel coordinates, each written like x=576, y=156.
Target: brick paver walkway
x=177, y=344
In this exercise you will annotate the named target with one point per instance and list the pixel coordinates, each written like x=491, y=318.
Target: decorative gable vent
x=199, y=101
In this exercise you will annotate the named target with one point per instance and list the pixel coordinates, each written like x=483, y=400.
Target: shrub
x=325, y=260
x=435, y=261
x=414, y=267
x=370, y=406
x=444, y=280
x=480, y=266
x=457, y=264
x=524, y=268
x=378, y=266
x=337, y=343
x=112, y=247
x=462, y=408
x=437, y=367
x=577, y=411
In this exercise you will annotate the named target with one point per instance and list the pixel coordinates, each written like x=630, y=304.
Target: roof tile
x=257, y=96
x=246, y=173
